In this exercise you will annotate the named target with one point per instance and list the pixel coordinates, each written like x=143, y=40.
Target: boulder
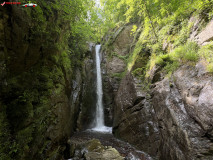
x=93, y=149
x=108, y=154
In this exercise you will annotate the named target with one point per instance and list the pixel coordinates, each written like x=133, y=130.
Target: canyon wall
x=41, y=83
x=169, y=117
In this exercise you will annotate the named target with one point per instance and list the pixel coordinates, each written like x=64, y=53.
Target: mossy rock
x=108, y=154
x=94, y=145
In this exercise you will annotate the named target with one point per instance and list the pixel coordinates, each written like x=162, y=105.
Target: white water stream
x=99, y=116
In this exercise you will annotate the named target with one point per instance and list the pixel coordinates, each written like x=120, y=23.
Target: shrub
x=171, y=61
x=206, y=53
x=162, y=59
x=171, y=67
x=187, y=52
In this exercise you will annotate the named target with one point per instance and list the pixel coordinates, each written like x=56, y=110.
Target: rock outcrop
x=184, y=116
x=113, y=65
x=206, y=35
x=134, y=117
x=176, y=123
x=169, y=118
x=87, y=104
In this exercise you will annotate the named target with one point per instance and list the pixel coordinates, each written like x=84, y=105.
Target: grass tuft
x=206, y=53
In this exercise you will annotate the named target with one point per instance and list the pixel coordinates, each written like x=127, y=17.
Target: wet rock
x=94, y=145
x=87, y=104
x=197, y=94
x=171, y=114
x=107, y=101
x=93, y=149
x=107, y=140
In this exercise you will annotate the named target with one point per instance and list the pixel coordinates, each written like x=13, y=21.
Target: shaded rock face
x=113, y=66
x=39, y=91
x=86, y=113
x=108, y=101
x=123, y=41
x=174, y=122
x=134, y=117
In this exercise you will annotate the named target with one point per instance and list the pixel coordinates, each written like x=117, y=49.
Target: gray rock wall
x=175, y=123
x=172, y=120
x=134, y=117
x=114, y=50
x=87, y=106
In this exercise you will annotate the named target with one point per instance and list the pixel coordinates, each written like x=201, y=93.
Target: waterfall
x=99, y=119
x=99, y=115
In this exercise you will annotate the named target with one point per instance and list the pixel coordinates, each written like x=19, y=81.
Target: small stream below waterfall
x=107, y=139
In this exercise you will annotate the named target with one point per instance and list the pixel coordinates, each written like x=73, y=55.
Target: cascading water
x=99, y=106
x=99, y=117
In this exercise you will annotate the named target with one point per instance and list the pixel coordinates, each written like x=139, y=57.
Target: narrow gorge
x=106, y=80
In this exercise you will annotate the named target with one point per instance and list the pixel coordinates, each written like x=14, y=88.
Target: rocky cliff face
x=113, y=65
x=40, y=85
x=134, y=116
x=184, y=116
x=169, y=118
x=86, y=114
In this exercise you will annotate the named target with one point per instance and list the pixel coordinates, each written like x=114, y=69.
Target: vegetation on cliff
x=49, y=43
x=171, y=39
x=41, y=47
x=162, y=29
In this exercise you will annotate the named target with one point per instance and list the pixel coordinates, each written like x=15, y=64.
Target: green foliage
x=187, y=52
x=120, y=56
x=184, y=33
x=171, y=67
x=206, y=53
x=132, y=58
x=27, y=106
x=204, y=7
x=118, y=75
x=163, y=59
x=134, y=29
x=61, y=29
x=171, y=61
x=139, y=72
